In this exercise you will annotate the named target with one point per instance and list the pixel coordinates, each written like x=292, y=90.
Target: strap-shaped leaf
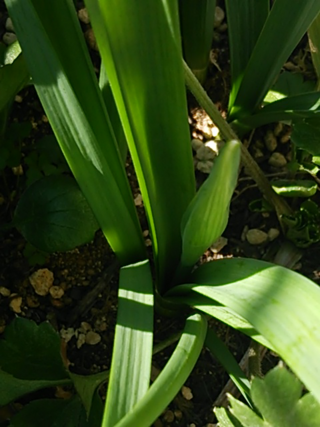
x=58, y=60
x=245, y=21
x=172, y=377
x=208, y=213
x=132, y=352
x=314, y=43
x=280, y=304
x=295, y=107
x=196, y=22
x=266, y=60
x=144, y=67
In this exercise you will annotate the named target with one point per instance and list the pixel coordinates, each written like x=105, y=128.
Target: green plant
x=145, y=71
x=278, y=399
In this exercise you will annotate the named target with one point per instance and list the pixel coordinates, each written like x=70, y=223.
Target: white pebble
x=256, y=236
x=196, y=144
x=187, y=393
x=9, y=25
x=205, y=153
x=218, y=245
x=83, y=16
x=270, y=141
x=273, y=233
x=205, y=167
x=9, y=38
x=5, y=292
x=41, y=281
x=218, y=16
x=92, y=338
x=277, y=160
x=15, y=304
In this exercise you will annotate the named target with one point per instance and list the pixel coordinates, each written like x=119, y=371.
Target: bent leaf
x=280, y=304
x=207, y=215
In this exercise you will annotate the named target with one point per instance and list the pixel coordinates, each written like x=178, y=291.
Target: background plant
x=151, y=103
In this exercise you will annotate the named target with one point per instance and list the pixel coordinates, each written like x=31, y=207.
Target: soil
x=93, y=268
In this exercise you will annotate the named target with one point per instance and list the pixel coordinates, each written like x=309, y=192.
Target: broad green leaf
x=196, y=23
x=314, y=43
x=172, y=377
x=266, y=61
x=227, y=360
x=31, y=352
x=14, y=74
x=266, y=296
x=245, y=20
x=288, y=84
x=207, y=215
x=51, y=413
x=296, y=107
x=225, y=418
x=58, y=60
x=294, y=188
x=12, y=388
x=87, y=385
x=277, y=398
x=53, y=215
x=132, y=351
x=145, y=70
x=306, y=135
x=245, y=415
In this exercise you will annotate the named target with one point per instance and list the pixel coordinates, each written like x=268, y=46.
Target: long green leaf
x=143, y=63
x=132, y=351
x=279, y=303
x=196, y=21
x=227, y=360
x=208, y=213
x=59, y=63
x=295, y=107
x=172, y=377
x=314, y=43
x=275, y=44
x=245, y=21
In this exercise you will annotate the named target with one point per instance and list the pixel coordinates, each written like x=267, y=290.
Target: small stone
x=9, y=25
x=17, y=170
x=285, y=138
x=270, y=141
x=41, y=281
x=214, y=146
x=196, y=144
x=207, y=131
x=256, y=236
x=91, y=39
x=103, y=326
x=168, y=416
x=15, y=304
x=81, y=340
x=85, y=327
x=32, y=301
x=92, y=338
x=218, y=245
x=278, y=129
x=84, y=16
x=277, y=160
x=273, y=233
x=205, y=153
x=187, y=393
x=218, y=16
x=178, y=414
x=205, y=167
x=145, y=233
x=257, y=153
x=56, y=292
x=138, y=200
x=9, y=38
x=5, y=292
x=148, y=242
x=244, y=233
x=18, y=99
x=67, y=334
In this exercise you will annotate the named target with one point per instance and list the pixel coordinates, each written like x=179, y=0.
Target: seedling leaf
x=31, y=352
x=53, y=215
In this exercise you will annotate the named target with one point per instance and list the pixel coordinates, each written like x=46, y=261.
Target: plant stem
x=228, y=133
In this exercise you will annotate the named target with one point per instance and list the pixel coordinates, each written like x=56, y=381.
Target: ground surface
x=80, y=271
